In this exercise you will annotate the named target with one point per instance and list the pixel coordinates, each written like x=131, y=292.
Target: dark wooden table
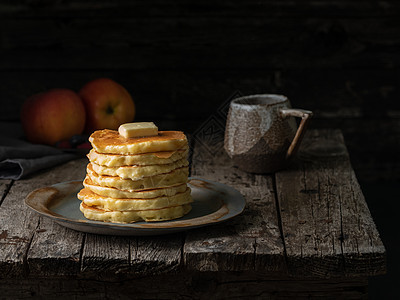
x=306, y=232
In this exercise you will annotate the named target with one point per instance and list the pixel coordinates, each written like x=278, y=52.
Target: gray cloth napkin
x=19, y=158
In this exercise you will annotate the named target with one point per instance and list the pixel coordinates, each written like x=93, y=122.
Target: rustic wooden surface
x=329, y=222
x=253, y=236
x=309, y=223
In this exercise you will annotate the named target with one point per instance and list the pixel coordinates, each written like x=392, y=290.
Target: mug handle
x=305, y=116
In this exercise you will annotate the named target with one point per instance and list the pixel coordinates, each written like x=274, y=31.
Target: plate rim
x=132, y=227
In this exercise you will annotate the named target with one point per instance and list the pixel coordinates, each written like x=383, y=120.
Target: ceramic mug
x=261, y=134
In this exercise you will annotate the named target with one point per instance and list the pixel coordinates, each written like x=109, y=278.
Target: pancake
x=109, y=141
x=154, y=158
x=176, y=176
x=108, y=203
x=149, y=193
x=174, y=212
x=138, y=172
x=137, y=178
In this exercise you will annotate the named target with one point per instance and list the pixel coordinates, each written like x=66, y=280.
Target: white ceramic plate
x=213, y=203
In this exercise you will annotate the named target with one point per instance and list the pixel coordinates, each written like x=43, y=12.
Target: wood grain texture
x=116, y=258
x=319, y=209
x=250, y=241
x=54, y=249
x=156, y=255
x=310, y=219
x=18, y=224
x=113, y=258
x=105, y=257
x=363, y=249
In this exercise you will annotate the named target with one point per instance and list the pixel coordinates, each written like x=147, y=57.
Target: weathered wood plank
x=156, y=254
x=18, y=223
x=17, y=228
x=310, y=216
x=313, y=203
x=116, y=258
x=363, y=250
x=248, y=242
x=105, y=257
x=55, y=250
x=113, y=258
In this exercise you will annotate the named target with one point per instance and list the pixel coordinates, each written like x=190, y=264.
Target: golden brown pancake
x=143, y=159
x=123, y=204
x=138, y=178
x=164, y=214
x=145, y=193
x=109, y=141
x=138, y=172
x=176, y=176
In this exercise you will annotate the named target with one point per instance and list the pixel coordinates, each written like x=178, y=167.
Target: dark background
x=182, y=60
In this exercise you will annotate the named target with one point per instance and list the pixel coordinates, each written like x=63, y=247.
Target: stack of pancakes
x=134, y=179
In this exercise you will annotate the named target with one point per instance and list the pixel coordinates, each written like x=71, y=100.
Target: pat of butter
x=129, y=130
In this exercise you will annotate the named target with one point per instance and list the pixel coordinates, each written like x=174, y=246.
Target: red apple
x=107, y=103
x=53, y=116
